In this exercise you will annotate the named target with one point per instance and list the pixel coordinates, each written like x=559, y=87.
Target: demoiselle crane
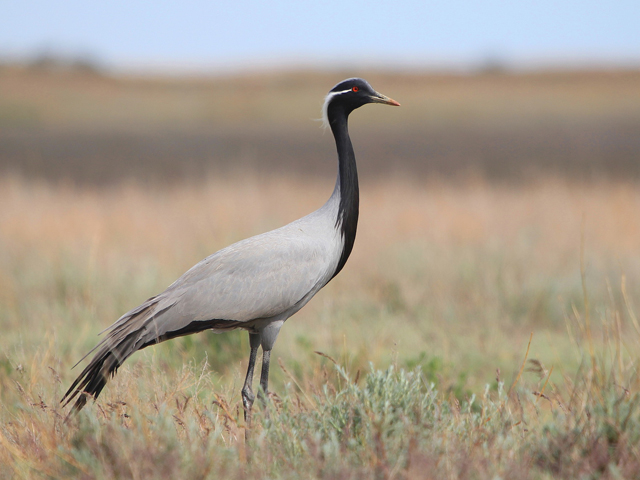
x=255, y=284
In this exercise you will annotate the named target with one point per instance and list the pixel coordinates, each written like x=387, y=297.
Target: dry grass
x=450, y=279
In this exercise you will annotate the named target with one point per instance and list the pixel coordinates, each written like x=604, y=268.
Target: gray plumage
x=255, y=284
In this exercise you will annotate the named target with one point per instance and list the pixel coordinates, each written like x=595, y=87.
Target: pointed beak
x=379, y=98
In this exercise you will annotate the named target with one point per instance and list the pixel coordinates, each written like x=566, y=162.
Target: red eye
x=355, y=89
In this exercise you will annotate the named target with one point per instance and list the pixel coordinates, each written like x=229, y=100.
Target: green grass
x=390, y=423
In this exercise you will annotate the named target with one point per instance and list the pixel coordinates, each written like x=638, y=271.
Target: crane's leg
x=263, y=394
x=247, y=393
x=268, y=337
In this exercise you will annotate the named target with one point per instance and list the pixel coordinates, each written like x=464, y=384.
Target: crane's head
x=351, y=94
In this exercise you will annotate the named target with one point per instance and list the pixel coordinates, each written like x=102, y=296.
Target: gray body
x=255, y=284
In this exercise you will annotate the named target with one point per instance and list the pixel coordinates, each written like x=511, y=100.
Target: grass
x=479, y=330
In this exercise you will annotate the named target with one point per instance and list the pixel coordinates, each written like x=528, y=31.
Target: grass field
x=485, y=326
x=428, y=327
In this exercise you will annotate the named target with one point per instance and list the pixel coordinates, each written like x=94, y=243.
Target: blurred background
x=138, y=137
x=101, y=93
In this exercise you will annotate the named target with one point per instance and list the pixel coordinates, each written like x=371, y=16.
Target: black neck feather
x=347, y=219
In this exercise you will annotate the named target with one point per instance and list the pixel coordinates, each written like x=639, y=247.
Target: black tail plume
x=94, y=377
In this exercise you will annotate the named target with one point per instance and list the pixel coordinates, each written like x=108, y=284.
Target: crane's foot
x=247, y=402
x=263, y=397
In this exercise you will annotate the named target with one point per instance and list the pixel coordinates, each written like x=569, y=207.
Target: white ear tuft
x=325, y=107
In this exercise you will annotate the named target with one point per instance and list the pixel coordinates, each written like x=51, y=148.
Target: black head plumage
x=350, y=94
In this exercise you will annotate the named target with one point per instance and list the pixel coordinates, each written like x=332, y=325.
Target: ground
x=484, y=327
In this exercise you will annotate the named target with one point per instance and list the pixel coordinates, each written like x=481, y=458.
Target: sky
x=235, y=34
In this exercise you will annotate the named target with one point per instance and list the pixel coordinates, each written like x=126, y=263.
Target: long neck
x=346, y=184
